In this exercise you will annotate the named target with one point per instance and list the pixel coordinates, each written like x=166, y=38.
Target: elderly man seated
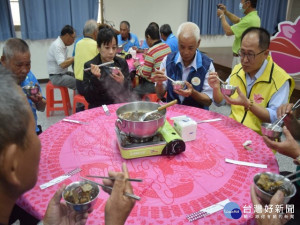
x=168, y=37
x=127, y=39
x=16, y=58
x=189, y=65
x=57, y=59
x=262, y=86
x=86, y=49
x=20, y=150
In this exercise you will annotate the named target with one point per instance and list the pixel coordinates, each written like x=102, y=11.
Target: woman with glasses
x=262, y=86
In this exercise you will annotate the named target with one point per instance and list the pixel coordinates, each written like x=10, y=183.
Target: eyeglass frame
x=254, y=55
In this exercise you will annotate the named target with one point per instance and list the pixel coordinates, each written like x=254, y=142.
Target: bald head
x=189, y=29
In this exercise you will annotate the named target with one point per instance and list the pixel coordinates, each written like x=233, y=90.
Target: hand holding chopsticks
x=117, y=186
x=277, y=122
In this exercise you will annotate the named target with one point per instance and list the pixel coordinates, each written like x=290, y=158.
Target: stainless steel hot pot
x=140, y=129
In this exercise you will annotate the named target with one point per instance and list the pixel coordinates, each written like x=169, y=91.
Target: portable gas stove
x=165, y=142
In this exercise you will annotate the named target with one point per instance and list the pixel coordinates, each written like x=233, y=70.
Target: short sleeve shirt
x=57, y=54
x=250, y=20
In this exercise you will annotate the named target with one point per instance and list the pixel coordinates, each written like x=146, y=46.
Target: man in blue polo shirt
x=16, y=58
x=168, y=37
x=125, y=36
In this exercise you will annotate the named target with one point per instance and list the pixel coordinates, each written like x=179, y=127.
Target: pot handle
x=119, y=124
x=167, y=105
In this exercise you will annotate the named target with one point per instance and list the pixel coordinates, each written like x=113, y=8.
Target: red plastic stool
x=79, y=99
x=152, y=97
x=65, y=101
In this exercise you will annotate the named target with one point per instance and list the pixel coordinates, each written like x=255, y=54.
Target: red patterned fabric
x=173, y=186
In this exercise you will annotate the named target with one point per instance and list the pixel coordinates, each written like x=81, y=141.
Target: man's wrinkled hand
x=185, y=92
x=159, y=76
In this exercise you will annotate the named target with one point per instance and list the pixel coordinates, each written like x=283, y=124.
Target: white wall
x=139, y=13
x=38, y=50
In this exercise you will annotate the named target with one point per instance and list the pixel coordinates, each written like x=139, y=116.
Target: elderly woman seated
x=108, y=84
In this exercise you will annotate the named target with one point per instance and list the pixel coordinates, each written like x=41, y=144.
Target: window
x=99, y=19
x=14, y=4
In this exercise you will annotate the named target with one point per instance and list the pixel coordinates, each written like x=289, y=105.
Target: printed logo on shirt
x=196, y=81
x=258, y=98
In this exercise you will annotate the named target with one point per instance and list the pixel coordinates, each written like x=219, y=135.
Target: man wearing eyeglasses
x=262, y=86
x=251, y=19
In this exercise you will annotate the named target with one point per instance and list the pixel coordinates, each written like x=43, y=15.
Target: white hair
x=189, y=29
x=13, y=46
x=90, y=27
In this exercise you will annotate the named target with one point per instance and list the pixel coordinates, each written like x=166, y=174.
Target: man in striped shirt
x=153, y=58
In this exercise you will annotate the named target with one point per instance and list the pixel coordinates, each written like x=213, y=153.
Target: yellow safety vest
x=262, y=91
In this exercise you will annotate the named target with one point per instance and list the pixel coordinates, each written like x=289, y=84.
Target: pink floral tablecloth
x=173, y=186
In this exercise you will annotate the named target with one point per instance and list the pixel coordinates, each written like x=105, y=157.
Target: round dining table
x=173, y=186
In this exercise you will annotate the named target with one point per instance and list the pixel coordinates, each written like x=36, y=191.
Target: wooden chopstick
x=112, y=178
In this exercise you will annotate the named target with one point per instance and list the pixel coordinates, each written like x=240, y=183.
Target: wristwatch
x=297, y=161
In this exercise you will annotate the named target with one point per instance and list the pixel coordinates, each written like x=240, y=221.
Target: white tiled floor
x=285, y=163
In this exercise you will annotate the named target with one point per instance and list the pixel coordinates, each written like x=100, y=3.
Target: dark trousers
x=145, y=87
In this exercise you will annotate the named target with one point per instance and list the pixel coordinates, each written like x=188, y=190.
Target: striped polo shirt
x=153, y=59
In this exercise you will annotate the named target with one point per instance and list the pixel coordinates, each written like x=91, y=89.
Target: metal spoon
x=143, y=117
x=166, y=76
x=223, y=82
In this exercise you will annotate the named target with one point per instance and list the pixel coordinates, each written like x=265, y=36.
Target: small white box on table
x=185, y=127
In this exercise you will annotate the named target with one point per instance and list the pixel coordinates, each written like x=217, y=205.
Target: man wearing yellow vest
x=262, y=86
